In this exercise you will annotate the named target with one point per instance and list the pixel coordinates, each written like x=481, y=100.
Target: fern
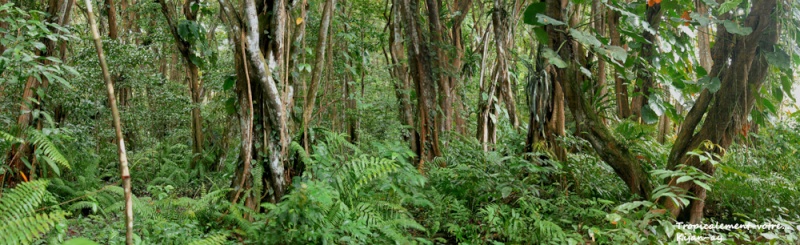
x=51, y=152
x=21, y=201
x=217, y=239
x=19, y=224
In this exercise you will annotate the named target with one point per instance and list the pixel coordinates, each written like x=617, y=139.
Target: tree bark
x=111, y=10
x=740, y=65
x=402, y=85
x=420, y=63
x=25, y=119
x=440, y=61
x=319, y=63
x=588, y=121
x=462, y=7
x=620, y=86
x=264, y=62
x=186, y=49
x=123, y=158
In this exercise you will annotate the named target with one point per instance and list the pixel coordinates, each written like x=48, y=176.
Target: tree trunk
x=402, y=85
x=645, y=77
x=123, y=158
x=14, y=157
x=111, y=10
x=186, y=49
x=588, y=121
x=440, y=67
x=503, y=42
x=262, y=80
x=319, y=63
x=546, y=108
x=742, y=67
x=620, y=86
x=462, y=7
x=420, y=63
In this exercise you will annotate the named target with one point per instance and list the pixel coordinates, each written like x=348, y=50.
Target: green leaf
x=712, y=84
x=734, y=28
x=729, y=5
x=52, y=165
x=702, y=184
x=553, y=58
x=585, y=38
x=768, y=104
x=779, y=59
x=39, y=45
x=683, y=179
x=701, y=19
x=547, y=20
x=506, y=191
x=648, y=115
x=786, y=83
x=541, y=35
x=80, y=241
x=229, y=82
x=529, y=17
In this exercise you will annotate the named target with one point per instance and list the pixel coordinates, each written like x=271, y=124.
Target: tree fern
x=19, y=223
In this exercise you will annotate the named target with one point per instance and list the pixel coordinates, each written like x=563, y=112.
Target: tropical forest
x=399, y=122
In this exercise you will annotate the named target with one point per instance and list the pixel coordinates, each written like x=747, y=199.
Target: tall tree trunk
x=741, y=66
x=645, y=77
x=259, y=50
x=319, y=63
x=462, y=7
x=186, y=49
x=123, y=158
x=504, y=41
x=546, y=108
x=111, y=10
x=486, y=99
x=420, y=63
x=402, y=84
x=588, y=121
x=444, y=121
x=599, y=24
x=31, y=100
x=620, y=86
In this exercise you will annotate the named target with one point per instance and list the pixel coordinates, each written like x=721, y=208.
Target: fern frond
x=43, y=143
x=217, y=239
x=5, y=137
x=25, y=230
x=22, y=200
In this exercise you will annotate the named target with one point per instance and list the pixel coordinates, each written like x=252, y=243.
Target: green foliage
x=358, y=200
x=20, y=221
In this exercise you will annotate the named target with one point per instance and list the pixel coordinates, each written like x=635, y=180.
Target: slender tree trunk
x=440, y=67
x=646, y=78
x=123, y=158
x=620, y=86
x=264, y=80
x=316, y=75
x=111, y=9
x=186, y=50
x=462, y=7
x=546, y=108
